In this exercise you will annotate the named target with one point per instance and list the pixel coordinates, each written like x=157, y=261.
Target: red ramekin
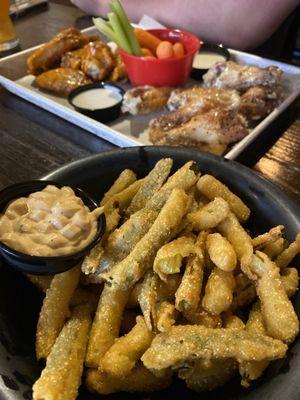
x=168, y=72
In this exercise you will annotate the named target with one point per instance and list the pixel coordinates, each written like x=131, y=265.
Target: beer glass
x=8, y=38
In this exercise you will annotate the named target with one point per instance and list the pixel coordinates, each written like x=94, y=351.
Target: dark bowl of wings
x=21, y=301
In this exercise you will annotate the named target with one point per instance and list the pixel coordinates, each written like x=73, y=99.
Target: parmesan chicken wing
x=49, y=54
x=62, y=80
x=232, y=75
x=210, y=131
x=145, y=99
x=205, y=98
x=95, y=59
x=190, y=102
x=257, y=102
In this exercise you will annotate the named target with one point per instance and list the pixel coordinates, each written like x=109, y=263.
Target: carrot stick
x=147, y=53
x=178, y=49
x=147, y=40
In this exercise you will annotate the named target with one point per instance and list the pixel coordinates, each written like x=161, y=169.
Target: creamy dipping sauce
x=95, y=99
x=206, y=59
x=52, y=222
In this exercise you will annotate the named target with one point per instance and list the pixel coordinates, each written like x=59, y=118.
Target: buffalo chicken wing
x=62, y=80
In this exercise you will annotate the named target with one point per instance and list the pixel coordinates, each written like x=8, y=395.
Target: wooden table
x=34, y=142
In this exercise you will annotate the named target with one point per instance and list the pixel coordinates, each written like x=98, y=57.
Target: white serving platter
x=132, y=130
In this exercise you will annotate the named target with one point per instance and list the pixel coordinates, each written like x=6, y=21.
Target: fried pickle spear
x=280, y=319
x=128, y=321
x=123, y=355
x=184, y=178
x=208, y=374
x=86, y=295
x=187, y=296
x=125, y=179
x=55, y=310
x=80, y=296
x=231, y=321
x=147, y=299
x=126, y=273
x=92, y=259
x=40, y=281
x=139, y=380
x=288, y=254
x=122, y=199
x=117, y=203
x=290, y=280
x=120, y=243
x=272, y=250
x=252, y=370
x=244, y=292
x=211, y=188
x=218, y=291
x=169, y=257
x=210, y=215
x=269, y=237
x=151, y=184
x=61, y=377
x=240, y=241
x=203, y=318
x=221, y=252
x=112, y=219
x=165, y=291
x=166, y=316
x=106, y=324
x=182, y=343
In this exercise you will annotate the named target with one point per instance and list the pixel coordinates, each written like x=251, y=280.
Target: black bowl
x=45, y=265
x=102, y=114
x=197, y=73
x=18, y=314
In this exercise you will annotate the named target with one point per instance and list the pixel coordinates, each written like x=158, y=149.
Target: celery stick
x=118, y=31
x=116, y=6
x=105, y=29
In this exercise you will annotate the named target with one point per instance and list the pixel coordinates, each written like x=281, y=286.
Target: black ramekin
x=197, y=73
x=101, y=114
x=38, y=265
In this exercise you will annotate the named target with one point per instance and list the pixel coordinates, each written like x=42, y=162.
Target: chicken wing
x=210, y=131
x=95, y=59
x=119, y=72
x=49, y=54
x=189, y=102
x=72, y=59
x=145, y=99
x=257, y=102
x=62, y=80
x=241, y=77
x=207, y=99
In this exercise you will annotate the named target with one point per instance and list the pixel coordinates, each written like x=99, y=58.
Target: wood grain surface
x=34, y=142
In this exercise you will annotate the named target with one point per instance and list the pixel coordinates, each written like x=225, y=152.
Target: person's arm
x=241, y=24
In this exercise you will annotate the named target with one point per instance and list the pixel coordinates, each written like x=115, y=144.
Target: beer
x=8, y=38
